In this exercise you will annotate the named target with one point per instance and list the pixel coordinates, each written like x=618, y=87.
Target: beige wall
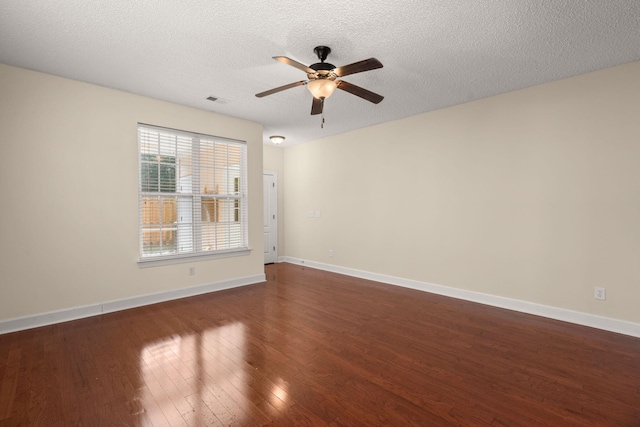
x=273, y=160
x=532, y=195
x=68, y=181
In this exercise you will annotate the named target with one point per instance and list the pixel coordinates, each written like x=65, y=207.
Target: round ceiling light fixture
x=277, y=139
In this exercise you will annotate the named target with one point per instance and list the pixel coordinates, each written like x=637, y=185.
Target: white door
x=270, y=214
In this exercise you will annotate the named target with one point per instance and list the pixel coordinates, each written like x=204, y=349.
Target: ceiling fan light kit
x=322, y=88
x=322, y=79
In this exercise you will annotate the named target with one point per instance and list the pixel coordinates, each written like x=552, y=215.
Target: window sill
x=178, y=259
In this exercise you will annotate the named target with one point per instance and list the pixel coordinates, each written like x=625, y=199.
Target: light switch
x=310, y=214
x=317, y=214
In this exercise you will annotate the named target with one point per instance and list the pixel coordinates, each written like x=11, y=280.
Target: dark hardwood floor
x=315, y=348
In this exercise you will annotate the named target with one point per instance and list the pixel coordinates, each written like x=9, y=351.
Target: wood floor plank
x=9, y=382
x=312, y=348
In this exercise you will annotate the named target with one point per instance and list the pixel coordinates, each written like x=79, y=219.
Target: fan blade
x=281, y=88
x=358, y=91
x=293, y=63
x=358, y=67
x=316, y=107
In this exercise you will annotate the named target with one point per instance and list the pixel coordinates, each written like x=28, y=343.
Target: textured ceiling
x=436, y=53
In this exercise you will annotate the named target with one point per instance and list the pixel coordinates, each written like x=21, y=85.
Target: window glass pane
x=184, y=149
x=208, y=181
x=158, y=240
x=168, y=239
x=169, y=210
x=149, y=142
x=184, y=172
x=168, y=145
x=209, y=237
x=158, y=225
x=168, y=175
x=220, y=155
x=157, y=173
x=184, y=238
x=220, y=236
x=149, y=177
x=150, y=211
x=151, y=242
x=185, y=210
x=210, y=210
x=227, y=209
x=207, y=152
x=235, y=235
x=234, y=155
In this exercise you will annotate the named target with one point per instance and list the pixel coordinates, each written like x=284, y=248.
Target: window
x=192, y=194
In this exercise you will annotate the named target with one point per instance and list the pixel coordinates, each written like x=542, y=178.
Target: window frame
x=197, y=196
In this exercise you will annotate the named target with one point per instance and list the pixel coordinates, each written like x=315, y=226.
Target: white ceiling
x=436, y=53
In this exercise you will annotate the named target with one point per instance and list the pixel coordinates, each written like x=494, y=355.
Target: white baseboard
x=591, y=320
x=74, y=313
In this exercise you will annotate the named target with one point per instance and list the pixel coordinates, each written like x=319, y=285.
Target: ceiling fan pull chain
x=322, y=122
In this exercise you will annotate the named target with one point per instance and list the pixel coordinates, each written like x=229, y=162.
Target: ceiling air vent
x=217, y=100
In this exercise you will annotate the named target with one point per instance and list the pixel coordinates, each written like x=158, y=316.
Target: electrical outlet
x=600, y=293
x=330, y=252
x=192, y=271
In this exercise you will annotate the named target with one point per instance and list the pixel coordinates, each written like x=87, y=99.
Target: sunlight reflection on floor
x=197, y=379
x=279, y=394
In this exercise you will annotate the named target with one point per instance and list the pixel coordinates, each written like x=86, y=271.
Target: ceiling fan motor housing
x=322, y=52
x=322, y=68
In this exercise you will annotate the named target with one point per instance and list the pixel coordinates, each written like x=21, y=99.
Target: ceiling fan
x=322, y=78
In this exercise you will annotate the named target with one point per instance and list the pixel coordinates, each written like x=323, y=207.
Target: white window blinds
x=192, y=193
